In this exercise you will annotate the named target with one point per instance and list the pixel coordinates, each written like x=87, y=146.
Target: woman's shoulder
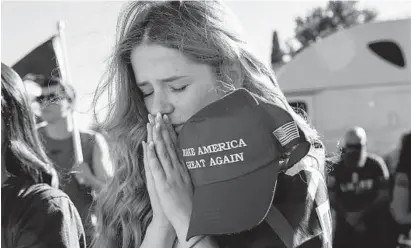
x=45, y=193
x=39, y=214
x=25, y=189
x=24, y=198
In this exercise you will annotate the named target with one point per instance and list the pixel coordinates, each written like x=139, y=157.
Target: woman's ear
x=230, y=77
x=236, y=74
x=233, y=74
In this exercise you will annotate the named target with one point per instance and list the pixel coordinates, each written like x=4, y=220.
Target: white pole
x=64, y=68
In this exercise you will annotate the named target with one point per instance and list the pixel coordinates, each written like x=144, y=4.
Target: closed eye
x=179, y=89
x=146, y=94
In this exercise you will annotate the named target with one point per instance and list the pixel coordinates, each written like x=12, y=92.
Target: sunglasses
x=50, y=98
x=352, y=148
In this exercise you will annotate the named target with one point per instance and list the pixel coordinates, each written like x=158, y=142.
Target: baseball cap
x=232, y=149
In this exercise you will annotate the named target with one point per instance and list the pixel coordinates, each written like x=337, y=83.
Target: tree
x=321, y=22
x=276, y=52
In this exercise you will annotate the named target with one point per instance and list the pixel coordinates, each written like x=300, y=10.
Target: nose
x=161, y=104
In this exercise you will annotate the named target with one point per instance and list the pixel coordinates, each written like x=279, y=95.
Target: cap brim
x=298, y=153
x=299, y=144
x=233, y=206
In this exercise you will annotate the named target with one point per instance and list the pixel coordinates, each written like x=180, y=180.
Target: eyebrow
x=164, y=80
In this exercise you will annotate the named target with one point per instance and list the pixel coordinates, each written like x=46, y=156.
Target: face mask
x=353, y=155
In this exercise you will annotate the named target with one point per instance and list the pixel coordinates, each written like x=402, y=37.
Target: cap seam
x=260, y=168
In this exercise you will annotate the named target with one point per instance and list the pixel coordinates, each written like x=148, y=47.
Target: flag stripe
x=281, y=226
x=310, y=215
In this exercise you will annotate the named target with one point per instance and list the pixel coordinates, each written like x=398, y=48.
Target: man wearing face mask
x=358, y=192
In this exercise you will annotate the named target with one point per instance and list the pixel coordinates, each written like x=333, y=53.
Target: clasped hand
x=168, y=181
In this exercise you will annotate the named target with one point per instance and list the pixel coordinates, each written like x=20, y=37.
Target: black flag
x=42, y=60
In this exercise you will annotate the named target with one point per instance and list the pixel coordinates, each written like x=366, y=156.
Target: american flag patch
x=286, y=133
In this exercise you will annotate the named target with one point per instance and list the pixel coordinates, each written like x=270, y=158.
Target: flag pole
x=64, y=68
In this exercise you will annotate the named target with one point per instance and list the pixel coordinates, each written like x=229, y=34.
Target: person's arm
x=194, y=242
x=55, y=223
x=102, y=166
x=382, y=182
x=158, y=235
x=400, y=201
x=163, y=237
x=331, y=186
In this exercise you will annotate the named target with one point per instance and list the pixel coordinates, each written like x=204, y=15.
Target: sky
x=90, y=32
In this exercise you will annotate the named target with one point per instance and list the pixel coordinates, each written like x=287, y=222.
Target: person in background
x=34, y=212
x=400, y=204
x=358, y=192
x=171, y=59
x=79, y=181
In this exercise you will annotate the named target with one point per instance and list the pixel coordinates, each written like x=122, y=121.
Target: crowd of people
x=171, y=60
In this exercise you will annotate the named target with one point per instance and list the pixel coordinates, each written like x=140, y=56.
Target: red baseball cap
x=232, y=149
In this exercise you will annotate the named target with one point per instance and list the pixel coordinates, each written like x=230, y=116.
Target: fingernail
x=158, y=117
x=165, y=117
x=150, y=118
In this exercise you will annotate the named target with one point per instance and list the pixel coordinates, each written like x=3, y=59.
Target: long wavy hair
x=24, y=154
x=204, y=31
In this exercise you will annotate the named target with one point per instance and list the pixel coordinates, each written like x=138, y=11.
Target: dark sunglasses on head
x=49, y=98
